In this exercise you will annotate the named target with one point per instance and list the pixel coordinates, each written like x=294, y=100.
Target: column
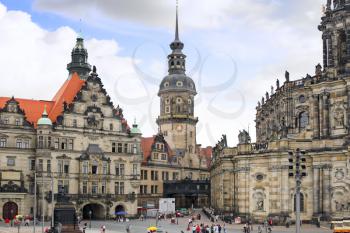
x=325, y=98
x=326, y=190
x=316, y=117
x=316, y=190
x=321, y=115
x=325, y=53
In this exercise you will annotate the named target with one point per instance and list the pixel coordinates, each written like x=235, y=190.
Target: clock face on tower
x=179, y=128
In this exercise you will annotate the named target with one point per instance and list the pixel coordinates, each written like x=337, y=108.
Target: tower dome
x=44, y=120
x=177, y=80
x=135, y=129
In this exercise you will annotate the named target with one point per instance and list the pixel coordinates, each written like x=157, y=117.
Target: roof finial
x=45, y=112
x=177, y=24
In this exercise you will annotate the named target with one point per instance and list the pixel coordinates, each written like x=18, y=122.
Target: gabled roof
x=146, y=146
x=33, y=109
x=207, y=154
x=65, y=94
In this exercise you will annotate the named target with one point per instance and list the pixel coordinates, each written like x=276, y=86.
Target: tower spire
x=177, y=22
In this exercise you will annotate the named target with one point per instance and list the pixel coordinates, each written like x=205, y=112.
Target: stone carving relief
x=338, y=115
x=341, y=201
x=259, y=198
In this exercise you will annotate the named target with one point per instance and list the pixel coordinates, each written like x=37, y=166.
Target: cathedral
x=79, y=144
x=252, y=180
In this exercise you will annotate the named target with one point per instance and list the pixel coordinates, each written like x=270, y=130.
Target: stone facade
x=81, y=146
x=311, y=114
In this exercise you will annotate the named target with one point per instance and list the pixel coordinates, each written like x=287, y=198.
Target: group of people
x=214, y=228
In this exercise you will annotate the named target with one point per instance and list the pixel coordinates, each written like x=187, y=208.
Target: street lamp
x=297, y=169
x=90, y=214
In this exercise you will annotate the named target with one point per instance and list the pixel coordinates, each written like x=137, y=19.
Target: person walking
x=84, y=227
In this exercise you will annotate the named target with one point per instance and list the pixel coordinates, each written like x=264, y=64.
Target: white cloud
x=266, y=37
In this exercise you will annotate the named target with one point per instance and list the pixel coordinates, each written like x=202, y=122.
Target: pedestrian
x=128, y=228
x=84, y=227
x=26, y=222
x=193, y=229
x=103, y=229
x=219, y=228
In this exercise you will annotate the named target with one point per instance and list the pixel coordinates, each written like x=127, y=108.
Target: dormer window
x=179, y=84
x=166, y=84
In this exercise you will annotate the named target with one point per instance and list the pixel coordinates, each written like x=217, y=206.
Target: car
x=179, y=214
x=227, y=219
x=184, y=211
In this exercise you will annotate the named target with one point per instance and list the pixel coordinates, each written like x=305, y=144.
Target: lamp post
x=90, y=214
x=34, y=217
x=297, y=169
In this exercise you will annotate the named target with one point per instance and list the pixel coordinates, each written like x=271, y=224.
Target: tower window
x=166, y=84
x=167, y=109
x=167, y=101
x=189, y=101
x=179, y=84
x=179, y=100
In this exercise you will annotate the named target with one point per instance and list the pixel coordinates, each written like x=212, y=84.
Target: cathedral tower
x=336, y=37
x=176, y=120
x=79, y=61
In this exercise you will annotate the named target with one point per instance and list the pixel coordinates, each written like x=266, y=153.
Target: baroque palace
x=313, y=114
x=80, y=145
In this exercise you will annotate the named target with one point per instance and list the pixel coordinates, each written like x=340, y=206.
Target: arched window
x=303, y=120
x=301, y=203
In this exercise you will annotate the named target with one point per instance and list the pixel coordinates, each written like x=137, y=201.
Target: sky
x=235, y=52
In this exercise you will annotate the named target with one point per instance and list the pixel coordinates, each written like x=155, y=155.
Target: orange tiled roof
x=65, y=94
x=33, y=109
x=207, y=153
x=146, y=146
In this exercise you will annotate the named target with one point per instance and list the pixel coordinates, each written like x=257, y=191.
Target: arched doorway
x=120, y=210
x=9, y=210
x=97, y=211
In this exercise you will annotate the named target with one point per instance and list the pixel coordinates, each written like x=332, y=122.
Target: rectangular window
x=103, y=187
x=110, y=126
x=57, y=143
x=32, y=164
x=85, y=167
x=41, y=142
x=122, y=169
x=85, y=187
x=63, y=144
x=41, y=165
x=164, y=156
x=191, y=134
x=165, y=175
x=70, y=144
x=66, y=186
x=134, y=169
x=49, y=142
x=48, y=165
x=11, y=161
x=3, y=142
x=121, y=191
x=94, y=187
x=105, y=168
x=154, y=175
x=26, y=144
x=113, y=147
x=120, y=148
x=19, y=143
x=145, y=174
x=119, y=187
x=175, y=175
x=125, y=148
x=74, y=123
x=145, y=189
x=94, y=167
x=155, y=155
x=6, y=120
x=66, y=167
x=60, y=166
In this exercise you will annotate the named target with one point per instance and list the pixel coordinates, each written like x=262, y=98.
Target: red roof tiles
x=34, y=108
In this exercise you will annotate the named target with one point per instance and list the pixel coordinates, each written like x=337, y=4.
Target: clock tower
x=176, y=120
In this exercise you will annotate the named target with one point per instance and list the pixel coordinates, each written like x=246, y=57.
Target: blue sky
x=235, y=51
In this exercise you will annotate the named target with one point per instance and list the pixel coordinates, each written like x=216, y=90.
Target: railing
x=187, y=187
x=260, y=146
